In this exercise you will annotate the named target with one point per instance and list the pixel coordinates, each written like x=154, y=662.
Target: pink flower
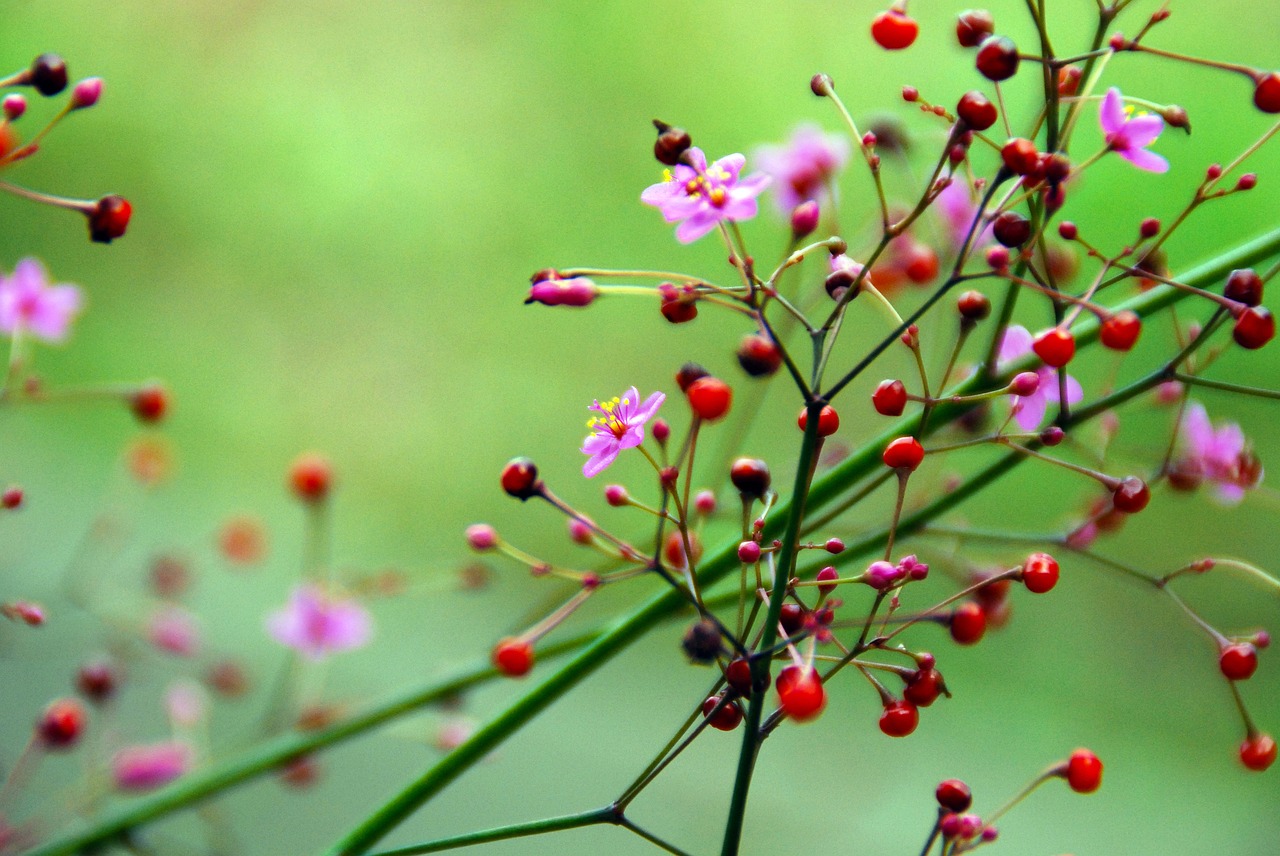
x=804, y=165
x=29, y=303
x=1129, y=135
x=701, y=196
x=1029, y=410
x=316, y=625
x=174, y=630
x=958, y=208
x=1220, y=455
x=147, y=766
x=619, y=426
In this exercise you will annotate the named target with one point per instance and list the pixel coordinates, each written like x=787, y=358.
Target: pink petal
x=597, y=464
x=650, y=406
x=1141, y=131
x=698, y=225
x=1029, y=412
x=1143, y=159
x=1111, y=115
x=1197, y=433
x=1014, y=345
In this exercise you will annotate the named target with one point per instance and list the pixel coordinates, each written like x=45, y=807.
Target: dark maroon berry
x=998, y=58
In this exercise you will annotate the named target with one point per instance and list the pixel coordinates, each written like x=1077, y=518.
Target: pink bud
x=1248, y=181
x=705, y=502
x=145, y=767
x=749, y=552
x=25, y=611
x=580, y=532
x=834, y=546
x=174, y=630
x=661, y=430
x=827, y=573
x=482, y=537
x=998, y=258
x=1024, y=384
x=804, y=219
x=14, y=106
x=881, y=575
x=86, y=93
x=578, y=291
x=616, y=495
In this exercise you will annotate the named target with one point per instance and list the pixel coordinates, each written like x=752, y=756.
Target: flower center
x=608, y=421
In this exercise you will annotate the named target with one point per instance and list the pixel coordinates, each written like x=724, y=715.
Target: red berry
x=1084, y=771
x=1149, y=228
x=1131, y=495
x=1258, y=752
x=674, y=548
x=676, y=307
x=689, y=372
x=709, y=397
x=976, y=110
x=968, y=623
x=923, y=687
x=513, y=657
x=1266, y=93
x=997, y=58
x=920, y=264
x=671, y=143
x=1011, y=229
x=150, y=403
x=738, y=675
x=12, y=497
x=973, y=26
x=109, y=219
x=520, y=478
x=903, y=453
x=1055, y=346
x=894, y=30
x=1040, y=573
x=1239, y=661
x=889, y=398
x=1021, y=156
x=311, y=476
x=1069, y=80
x=726, y=718
x=974, y=306
x=800, y=692
x=1244, y=286
x=828, y=421
x=1254, y=328
x=1119, y=332
x=791, y=618
x=899, y=718
x=759, y=356
x=97, y=681
x=751, y=477
x=61, y=724
x=954, y=795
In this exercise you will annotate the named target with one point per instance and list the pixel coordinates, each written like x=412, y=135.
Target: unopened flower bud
x=1024, y=384
x=14, y=106
x=616, y=495
x=804, y=219
x=86, y=93
x=482, y=537
x=671, y=144
x=705, y=502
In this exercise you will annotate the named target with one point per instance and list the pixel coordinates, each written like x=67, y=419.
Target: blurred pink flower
x=619, y=426
x=1129, y=135
x=29, y=303
x=701, y=196
x=1029, y=410
x=317, y=625
x=958, y=207
x=1220, y=455
x=144, y=767
x=804, y=165
x=175, y=631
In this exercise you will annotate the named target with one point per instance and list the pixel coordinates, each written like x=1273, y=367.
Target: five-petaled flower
x=619, y=426
x=804, y=165
x=1220, y=455
x=28, y=303
x=701, y=195
x=1129, y=135
x=316, y=624
x=1029, y=410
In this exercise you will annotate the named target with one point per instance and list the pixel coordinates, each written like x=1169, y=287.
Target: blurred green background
x=337, y=207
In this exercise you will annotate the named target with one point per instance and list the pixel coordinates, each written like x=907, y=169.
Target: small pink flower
x=700, y=196
x=187, y=703
x=1129, y=135
x=1220, y=455
x=28, y=303
x=803, y=166
x=958, y=208
x=619, y=426
x=316, y=625
x=1029, y=410
x=174, y=630
x=145, y=767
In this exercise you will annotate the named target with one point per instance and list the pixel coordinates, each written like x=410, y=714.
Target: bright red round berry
x=890, y=398
x=1254, y=328
x=1040, y=573
x=520, y=478
x=899, y=718
x=150, y=403
x=726, y=718
x=920, y=264
x=923, y=687
x=1239, y=661
x=709, y=397
x=1011, y=229
x=997, y=58
x=109, y=219
x=903, y=453
x=1266, y=93
x=1244, y=286
x=968, y=623
x=894, y=30
x=973, y=306
x=1258, y=752
x=1084, y=771
x=976, y=110
x=738, y=675
x=61, y=724
x=310, y=477
x=751, y=477
x=973, y=26
x=513, y=657
x=954, y=795
x=1131, y=495
x=1055, y=346
x=828, y=421
x=1021, y=156
x=800, y=692
x=1119, y=332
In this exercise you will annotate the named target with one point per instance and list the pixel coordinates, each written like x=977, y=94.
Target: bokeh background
x=337, y=206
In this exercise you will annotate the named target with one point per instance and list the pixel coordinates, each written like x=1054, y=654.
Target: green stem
x=515, y=830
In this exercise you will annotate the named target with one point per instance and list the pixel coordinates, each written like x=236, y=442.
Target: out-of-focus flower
x=957, y=207
x=699, y=196
x=29, y=303
x=145, y=767
x=803, y=166
x=1219, y=455
x=174, y=630
x=619, y=426
x=1029, y=410
x=316, y=625
x=1129, y=134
